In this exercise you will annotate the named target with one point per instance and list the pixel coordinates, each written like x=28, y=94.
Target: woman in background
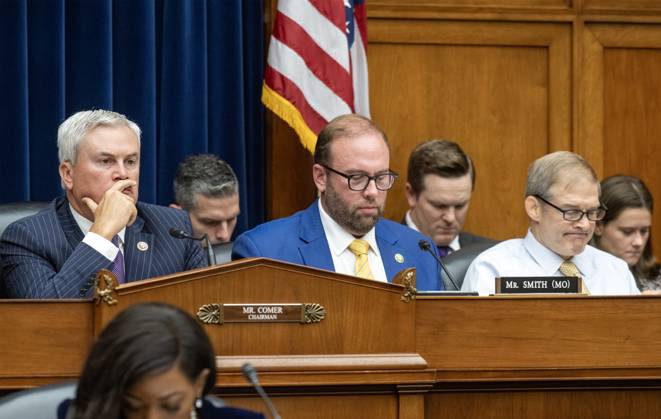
x=151, y=361
x=625, y=230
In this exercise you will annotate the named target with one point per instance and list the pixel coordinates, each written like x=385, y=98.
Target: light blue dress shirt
x=603, y=273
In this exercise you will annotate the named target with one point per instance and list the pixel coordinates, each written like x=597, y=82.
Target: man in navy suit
x=343, y=230
x=441, y=178
x=99, y=224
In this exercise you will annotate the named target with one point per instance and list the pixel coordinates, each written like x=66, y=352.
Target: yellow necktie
x=362, y=268
x=568, y=268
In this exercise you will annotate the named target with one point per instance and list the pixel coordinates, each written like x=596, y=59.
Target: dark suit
x=467, y=238
x=212, y=408
x=301, y=239
x=43, y=256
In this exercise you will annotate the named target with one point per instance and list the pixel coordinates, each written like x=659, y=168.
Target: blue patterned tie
x=118, y=265
x=443, y=251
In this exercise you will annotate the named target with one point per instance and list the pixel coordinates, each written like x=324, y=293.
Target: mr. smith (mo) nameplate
x=539, y=285
x=261, y=313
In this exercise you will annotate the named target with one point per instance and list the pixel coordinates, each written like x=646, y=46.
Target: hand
x=115, y=211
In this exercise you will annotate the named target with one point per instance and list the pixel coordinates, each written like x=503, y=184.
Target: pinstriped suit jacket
x=43, y=256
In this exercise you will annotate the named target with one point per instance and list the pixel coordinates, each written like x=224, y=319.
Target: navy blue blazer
x=212, y=408
x=43, y=256
x=301, y=239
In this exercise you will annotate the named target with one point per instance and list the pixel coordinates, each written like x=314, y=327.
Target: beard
x=347, y=215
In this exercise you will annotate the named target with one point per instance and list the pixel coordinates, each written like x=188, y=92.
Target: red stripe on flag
x=333, y=10
x=361, y=18
x=322, y=65
x=287, y=89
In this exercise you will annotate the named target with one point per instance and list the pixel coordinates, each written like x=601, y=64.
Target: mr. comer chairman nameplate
x=261, y=313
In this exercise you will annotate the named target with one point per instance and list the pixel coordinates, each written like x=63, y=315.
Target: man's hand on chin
x=115, y=211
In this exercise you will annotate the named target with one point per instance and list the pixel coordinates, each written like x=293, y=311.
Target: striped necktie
x=118, y=264
x=362, y=268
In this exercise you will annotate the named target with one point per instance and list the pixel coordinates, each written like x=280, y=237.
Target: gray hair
x=74, y=129
x=203, y=174
x=547, y=170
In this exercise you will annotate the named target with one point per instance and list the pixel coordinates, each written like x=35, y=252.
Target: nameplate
x=539, y=285
x=261, y=313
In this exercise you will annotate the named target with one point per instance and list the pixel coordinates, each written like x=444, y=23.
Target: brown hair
x=438, y=157
x=351, y=126
x=621, y=192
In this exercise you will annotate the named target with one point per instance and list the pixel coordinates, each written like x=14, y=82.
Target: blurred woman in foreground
x=151, y=361
x=625, y=230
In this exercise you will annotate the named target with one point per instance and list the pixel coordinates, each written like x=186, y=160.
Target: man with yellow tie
x=562, y=204
x=344, y=231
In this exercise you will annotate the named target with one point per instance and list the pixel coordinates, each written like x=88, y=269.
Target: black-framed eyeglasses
x=596, y=214
x=360, y=181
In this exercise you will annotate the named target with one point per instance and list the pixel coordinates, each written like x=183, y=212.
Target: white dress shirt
x=454, y=244
x=95, y=241
x=602, y=273
x=338, y=242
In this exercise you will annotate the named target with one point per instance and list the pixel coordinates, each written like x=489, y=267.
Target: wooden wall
x=510, y=80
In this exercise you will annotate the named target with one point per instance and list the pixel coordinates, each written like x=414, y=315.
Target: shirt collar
x=338, y=238
x=551, y=261
x=454, y=244
x=84, y=224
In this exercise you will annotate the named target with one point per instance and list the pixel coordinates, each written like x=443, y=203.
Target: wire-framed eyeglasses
x=596, y=214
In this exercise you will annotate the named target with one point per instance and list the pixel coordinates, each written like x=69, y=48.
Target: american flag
x=317, y=64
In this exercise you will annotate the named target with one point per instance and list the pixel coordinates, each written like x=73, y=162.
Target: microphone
x=251, y=375
x=181, y=234
x=424, y=245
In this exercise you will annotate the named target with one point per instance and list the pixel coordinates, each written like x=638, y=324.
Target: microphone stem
x=211, y=255
x=427, y=247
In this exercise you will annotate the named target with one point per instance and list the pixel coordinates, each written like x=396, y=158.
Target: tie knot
x=359, y=247
x=444, y=250
x=115, y=240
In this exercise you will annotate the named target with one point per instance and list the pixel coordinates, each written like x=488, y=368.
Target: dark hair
x=621, y=192
x=438, y=157
x=351, y=126
x=203, y=174
x=143, y=340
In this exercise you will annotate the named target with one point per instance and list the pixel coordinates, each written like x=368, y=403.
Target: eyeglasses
x=360, y=181
x=575, y=214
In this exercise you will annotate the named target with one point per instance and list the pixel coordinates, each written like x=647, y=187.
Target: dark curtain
x=189, y=72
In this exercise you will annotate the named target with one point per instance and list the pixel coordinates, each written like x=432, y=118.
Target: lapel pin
x=142, y=246
x=399, y=258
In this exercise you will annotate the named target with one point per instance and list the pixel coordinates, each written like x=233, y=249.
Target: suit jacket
x=301, y=239
x=467, y=238
x=43, y=256
x=212, y=408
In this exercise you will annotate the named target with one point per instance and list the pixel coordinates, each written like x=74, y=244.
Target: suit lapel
x=69, y=226
x=138, y=251
x=387, y=241
x=313, y=245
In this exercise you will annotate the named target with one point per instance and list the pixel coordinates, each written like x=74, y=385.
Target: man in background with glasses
x=562, y=203
x=344, y=230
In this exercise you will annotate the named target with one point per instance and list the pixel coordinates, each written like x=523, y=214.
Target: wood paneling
x=473, y=3
x=472, y=82
x=295, y=407
x=621, y=103
x=574, y=404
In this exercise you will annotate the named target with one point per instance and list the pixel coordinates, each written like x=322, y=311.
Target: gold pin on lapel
x=399, y=258
x=142, y=246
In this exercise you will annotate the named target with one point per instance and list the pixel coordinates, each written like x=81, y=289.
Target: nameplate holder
x=305, y=313
x=539, y=285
